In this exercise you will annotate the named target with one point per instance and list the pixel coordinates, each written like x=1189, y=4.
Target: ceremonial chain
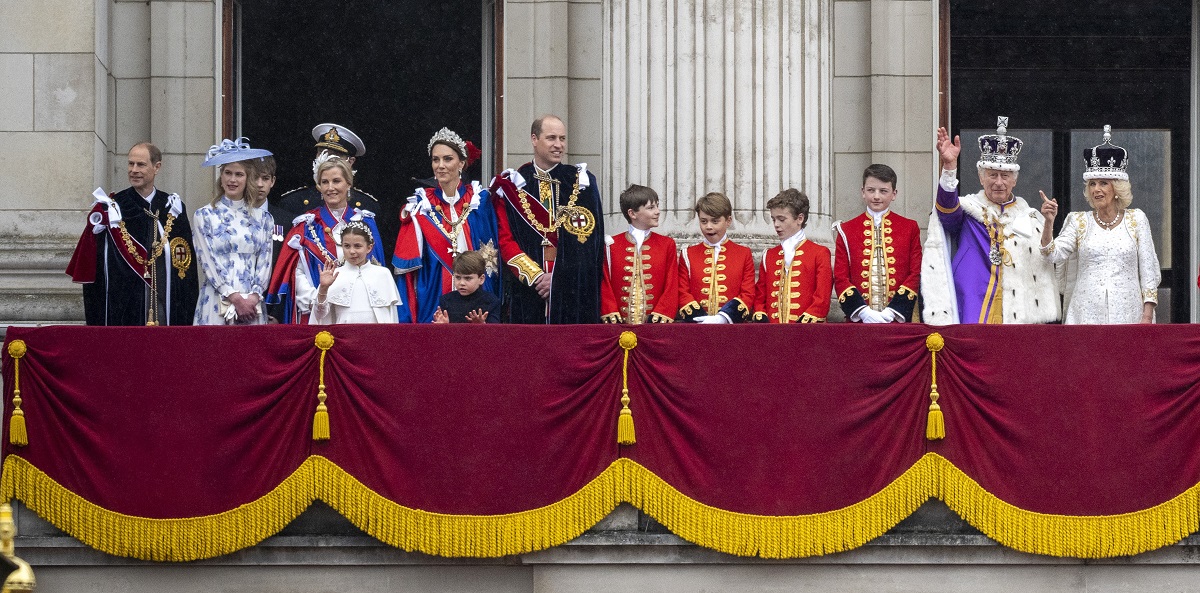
x=157, y=246
x=151, y=270
x=312, y=233
x=555, y=223
x=454, y=227
x=1108, y=226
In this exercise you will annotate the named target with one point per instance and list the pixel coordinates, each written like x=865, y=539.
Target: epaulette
x=365, y=193
x=284, y=194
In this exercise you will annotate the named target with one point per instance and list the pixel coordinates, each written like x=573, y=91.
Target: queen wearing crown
x=981, y=262
x=1117, y=271
x=441, y=222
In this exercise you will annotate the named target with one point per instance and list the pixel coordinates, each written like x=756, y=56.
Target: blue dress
x=233, y=246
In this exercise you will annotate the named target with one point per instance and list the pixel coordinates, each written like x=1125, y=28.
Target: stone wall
x=884, y=107
x=746, y=98
x=81, y=82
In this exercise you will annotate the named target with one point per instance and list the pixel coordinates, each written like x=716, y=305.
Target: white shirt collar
x=717, y=244
x=638, y=235
x=546, y=171
x=790, y=243
x=877, y=216
x=149, y=198
x=789, y=246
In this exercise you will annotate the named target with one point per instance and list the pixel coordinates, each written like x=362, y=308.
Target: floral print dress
x=233, y=245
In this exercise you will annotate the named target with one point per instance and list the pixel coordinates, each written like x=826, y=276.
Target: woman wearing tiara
x=455, y=217
x=315, y=240
x=1118, y=271
x=233, y=239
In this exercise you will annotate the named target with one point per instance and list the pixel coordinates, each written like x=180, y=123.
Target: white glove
x=869, y=315
x=710, y=319
x=889, y=315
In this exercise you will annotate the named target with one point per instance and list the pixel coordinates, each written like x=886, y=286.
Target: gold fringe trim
x=1075, y=536
x=161, y=540
x=486, y=536
x=794, y=536
x=473, y=536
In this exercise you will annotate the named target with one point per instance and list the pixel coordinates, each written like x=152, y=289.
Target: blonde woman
x=233, y=240
x=315, y=240
x=1118, y=273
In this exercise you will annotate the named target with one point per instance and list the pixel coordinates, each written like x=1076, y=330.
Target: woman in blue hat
x=233, y=240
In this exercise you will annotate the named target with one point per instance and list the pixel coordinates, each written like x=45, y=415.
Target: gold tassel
x=324, y=341
x=625, y=433
x=935, y=426
x=17, y=434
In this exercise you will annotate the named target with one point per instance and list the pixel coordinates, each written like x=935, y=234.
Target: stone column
x=715, y=95
x=54, y=63
x=885, y=100
x=552, y=64
x=184, y=40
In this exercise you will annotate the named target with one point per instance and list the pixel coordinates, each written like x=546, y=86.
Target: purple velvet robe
x=970, y=266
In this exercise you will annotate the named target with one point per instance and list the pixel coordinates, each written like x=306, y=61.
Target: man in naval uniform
x=982, y=262
x=135, y=258
x=341, y=142
x=555, y=216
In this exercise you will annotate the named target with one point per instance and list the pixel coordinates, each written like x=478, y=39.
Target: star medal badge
x=578, y=221
x=994, y=255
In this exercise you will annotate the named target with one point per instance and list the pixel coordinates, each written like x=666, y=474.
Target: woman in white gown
x=1118, y=273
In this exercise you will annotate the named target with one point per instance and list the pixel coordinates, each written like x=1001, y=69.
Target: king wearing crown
x=981, y=260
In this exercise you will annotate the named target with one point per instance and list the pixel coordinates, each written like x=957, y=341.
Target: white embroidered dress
x=1117, y=268
x=359, y=294
x=233, y=246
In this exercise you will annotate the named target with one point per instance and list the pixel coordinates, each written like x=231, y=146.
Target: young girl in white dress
x=232, y=238
x=358, y=291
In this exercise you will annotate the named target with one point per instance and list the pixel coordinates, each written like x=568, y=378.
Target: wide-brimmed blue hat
x=233, y=151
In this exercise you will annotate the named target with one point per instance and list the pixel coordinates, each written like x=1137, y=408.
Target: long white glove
x=711, y=319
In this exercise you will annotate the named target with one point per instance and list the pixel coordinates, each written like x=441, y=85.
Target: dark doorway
x=393, y=71
x=1060, y=71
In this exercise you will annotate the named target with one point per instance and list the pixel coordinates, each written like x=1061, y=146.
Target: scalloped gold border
x=482, y=536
